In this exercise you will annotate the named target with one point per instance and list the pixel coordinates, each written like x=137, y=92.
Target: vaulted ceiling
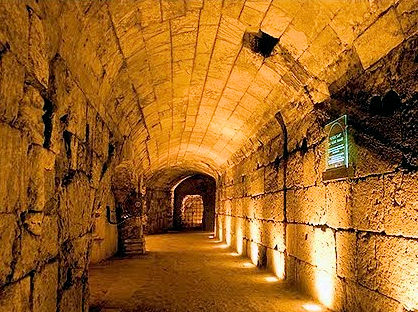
x=177, y=78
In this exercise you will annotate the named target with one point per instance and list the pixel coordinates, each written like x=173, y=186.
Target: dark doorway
x=189, y=195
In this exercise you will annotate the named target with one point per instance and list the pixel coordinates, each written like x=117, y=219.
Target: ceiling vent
x=260, y=42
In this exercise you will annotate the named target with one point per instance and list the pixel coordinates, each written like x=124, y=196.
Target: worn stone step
x=134, y=240
x=137, y=244
x=132, y=253
x=137, y=248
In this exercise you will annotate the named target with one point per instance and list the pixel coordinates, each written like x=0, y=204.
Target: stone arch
x=198, y=184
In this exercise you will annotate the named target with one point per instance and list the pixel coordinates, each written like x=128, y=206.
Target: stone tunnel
x=208, y=155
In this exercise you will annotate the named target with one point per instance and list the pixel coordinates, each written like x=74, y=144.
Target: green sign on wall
x=337, y=153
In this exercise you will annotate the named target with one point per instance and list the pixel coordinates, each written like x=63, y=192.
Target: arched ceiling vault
x=176, y=77
x=168, y=177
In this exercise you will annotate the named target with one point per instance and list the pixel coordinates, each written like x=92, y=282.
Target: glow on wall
x=228, y=234
x=324, y=257
x=239, y=238
x=278, y=264
x=254, y=239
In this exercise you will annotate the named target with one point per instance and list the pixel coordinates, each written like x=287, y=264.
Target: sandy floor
x=187, y=272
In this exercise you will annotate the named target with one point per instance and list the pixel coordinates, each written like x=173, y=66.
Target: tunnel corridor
x=190, y=272
x=289, y=127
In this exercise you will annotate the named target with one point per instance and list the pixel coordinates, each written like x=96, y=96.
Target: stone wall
x=159, y=211
x=57, y=152
x=105, y=235
x=351, y=243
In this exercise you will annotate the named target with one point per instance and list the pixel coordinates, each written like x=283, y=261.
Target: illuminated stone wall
x=352, y=243
x=178, y=85
x=57, y=152
x=159, y=211
x=105, y=235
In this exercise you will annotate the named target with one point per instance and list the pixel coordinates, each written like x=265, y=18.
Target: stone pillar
x=132, y=236
x=130, y=218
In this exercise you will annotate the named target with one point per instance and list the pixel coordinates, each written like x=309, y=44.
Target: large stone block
x=387, y=265
x=346, y=254
x=239, y=190
x=76, y=119
x=381, y=37
x=211, y=13
x=273, y=179
x=38, y=53
x=256, y=183
x=14, y=28
x=84, y=157
x=346, y=67
x=367, y=262
x=290, y=266
x=45, y=285
x=368, y=204
x=8, y=235
x=371, y=157
x=299, y=241
x=41, y=186
x=232, y=8
x=338, y=204
x=306, y=205
x=294, y=171
x=322, y=52
x=347, y=16
x=273, y=235
x=407, y=12
x=38, y=243
x=244, y=207
x=30, y=116
x=324, y=250
x=13, y=164
x=312, y=245
x=275, y=22
x=362, y=299
x=74, y=259
x=273, y=206
x=310, y=167
x=72, y=299
x=401, y=191
x=396, y=273
x=76, y=207
x=253, y=12
x=11, y=87
x=15, y=297
x=105, y=236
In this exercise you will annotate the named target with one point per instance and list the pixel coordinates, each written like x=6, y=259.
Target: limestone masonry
x=111, y=112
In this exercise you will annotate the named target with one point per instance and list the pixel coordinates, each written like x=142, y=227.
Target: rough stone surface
x=54, y=154
x=340, y=237
x=180, y=264
x=159, y=211
x=172, y=88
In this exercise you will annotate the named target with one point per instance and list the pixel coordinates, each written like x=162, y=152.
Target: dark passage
x=204, y=186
